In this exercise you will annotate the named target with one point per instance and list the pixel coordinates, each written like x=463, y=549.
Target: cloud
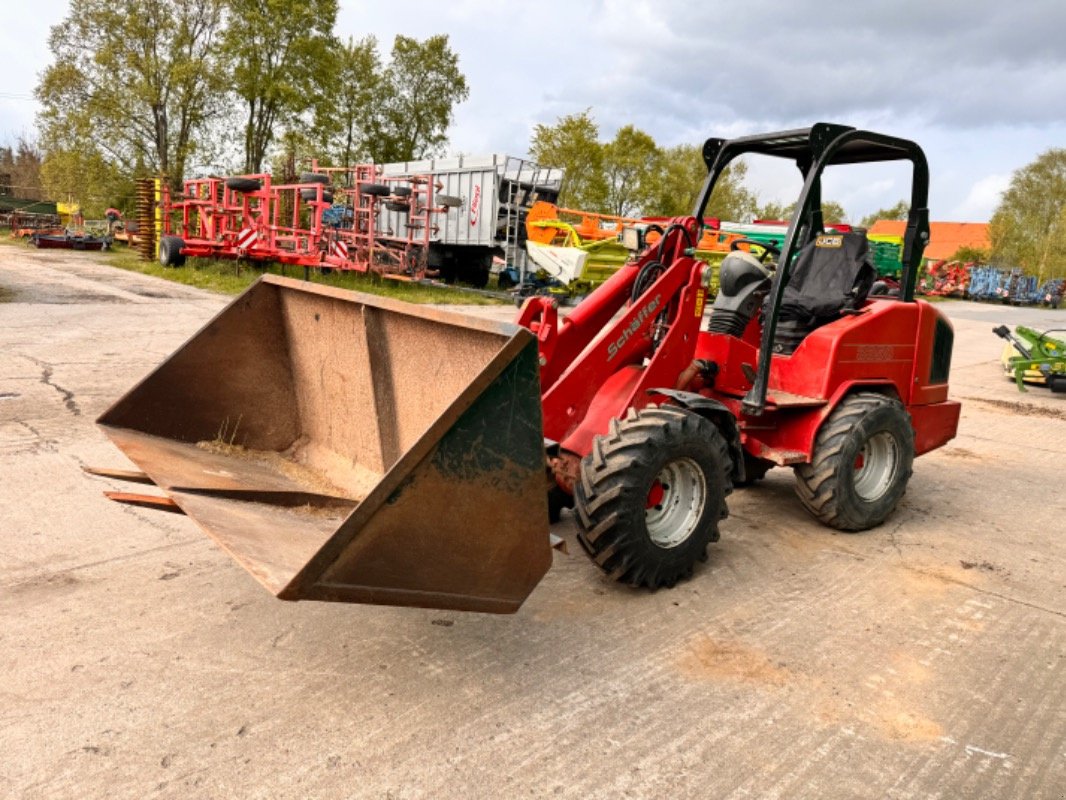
x=981, y=85
x=982, y=198
x=976, y=65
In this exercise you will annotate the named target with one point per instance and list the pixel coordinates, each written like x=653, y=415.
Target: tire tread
x=816, y=482
x=607, y=485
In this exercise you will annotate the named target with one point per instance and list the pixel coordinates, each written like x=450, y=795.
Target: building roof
x=945, y=238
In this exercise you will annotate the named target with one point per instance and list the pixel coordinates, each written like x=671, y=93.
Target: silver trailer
x=484, y=201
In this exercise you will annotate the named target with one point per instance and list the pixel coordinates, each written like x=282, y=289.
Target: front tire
x=862, y=461
x=650, y=495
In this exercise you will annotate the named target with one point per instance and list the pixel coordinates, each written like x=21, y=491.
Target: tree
x=682, y=174
x=341, y=124
x=572, y=144
x=731, y=199
x=416, y=98
x=897, y=212
x=294, y=150
x=1028, y=228
x=278, y=50
x=681, y=178
x=631, y=166
x=20, y=170
x=84, y=176
x=967, y=254
x=132, y=85
x=632, y=175
x=831, y=211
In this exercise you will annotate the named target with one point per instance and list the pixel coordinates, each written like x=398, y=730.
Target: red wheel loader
x=350, y=448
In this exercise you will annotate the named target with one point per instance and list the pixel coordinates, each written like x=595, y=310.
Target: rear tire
x=862, y=461
x=308, y=195
x=170, y=251
x=478, y=277
x=243, y=184
x=650, y=495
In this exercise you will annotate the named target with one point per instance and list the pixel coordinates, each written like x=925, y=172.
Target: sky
x=980, y=85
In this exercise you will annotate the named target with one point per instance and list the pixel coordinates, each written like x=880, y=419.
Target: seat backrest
x=831, y=275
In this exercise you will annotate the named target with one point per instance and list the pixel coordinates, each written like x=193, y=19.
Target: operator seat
x=831, y=276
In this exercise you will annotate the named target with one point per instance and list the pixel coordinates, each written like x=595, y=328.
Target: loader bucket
x=352, y=448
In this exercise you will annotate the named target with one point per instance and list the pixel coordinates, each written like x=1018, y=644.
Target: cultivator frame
x=226, y=218
x=329, y=219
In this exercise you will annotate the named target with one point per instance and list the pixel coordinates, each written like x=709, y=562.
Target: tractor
x=652, y=419
x=349, y=448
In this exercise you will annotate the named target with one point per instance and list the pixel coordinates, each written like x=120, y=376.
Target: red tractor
x=651, y=419
x=351, y=448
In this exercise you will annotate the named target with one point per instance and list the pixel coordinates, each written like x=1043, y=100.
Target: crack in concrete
x=43, y=443
x=47, y=370
x=68, y=396
x=1005, y=597
x=895, y=542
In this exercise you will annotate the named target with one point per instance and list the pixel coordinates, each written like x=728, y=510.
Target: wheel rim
x=675, y=503
x=876, y=466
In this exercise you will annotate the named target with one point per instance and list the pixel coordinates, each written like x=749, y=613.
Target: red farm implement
x=331, y=218
x=946, y=279
x=378, y=223
x=452, y=218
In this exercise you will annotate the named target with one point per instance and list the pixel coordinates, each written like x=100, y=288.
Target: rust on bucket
x=352, y=448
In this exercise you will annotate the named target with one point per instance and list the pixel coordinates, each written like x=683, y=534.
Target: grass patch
x=233, y=277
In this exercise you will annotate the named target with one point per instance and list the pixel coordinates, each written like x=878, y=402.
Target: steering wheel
x=767, y=249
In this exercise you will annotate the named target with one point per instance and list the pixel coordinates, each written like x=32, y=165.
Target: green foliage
x=1028, y=229
x=632, y=176
x=146, y=86
x=351, y=86
x=233, y=277
x=86, y=177
x=416, y=96
x=132, y=86
x=631, y=167
x=897, y=212
x=278, y=52
x=970, y=254
x=774, y=210
x=681, y=177
x=681, y=181
x=831, y=211
x=730, y=199
x=295, y=150
x=573, y=144
x=20, y=171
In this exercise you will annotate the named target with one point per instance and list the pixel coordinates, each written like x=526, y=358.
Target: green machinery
x=1034, y=357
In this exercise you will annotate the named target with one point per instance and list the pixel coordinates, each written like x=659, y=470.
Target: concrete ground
x=923, y=659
